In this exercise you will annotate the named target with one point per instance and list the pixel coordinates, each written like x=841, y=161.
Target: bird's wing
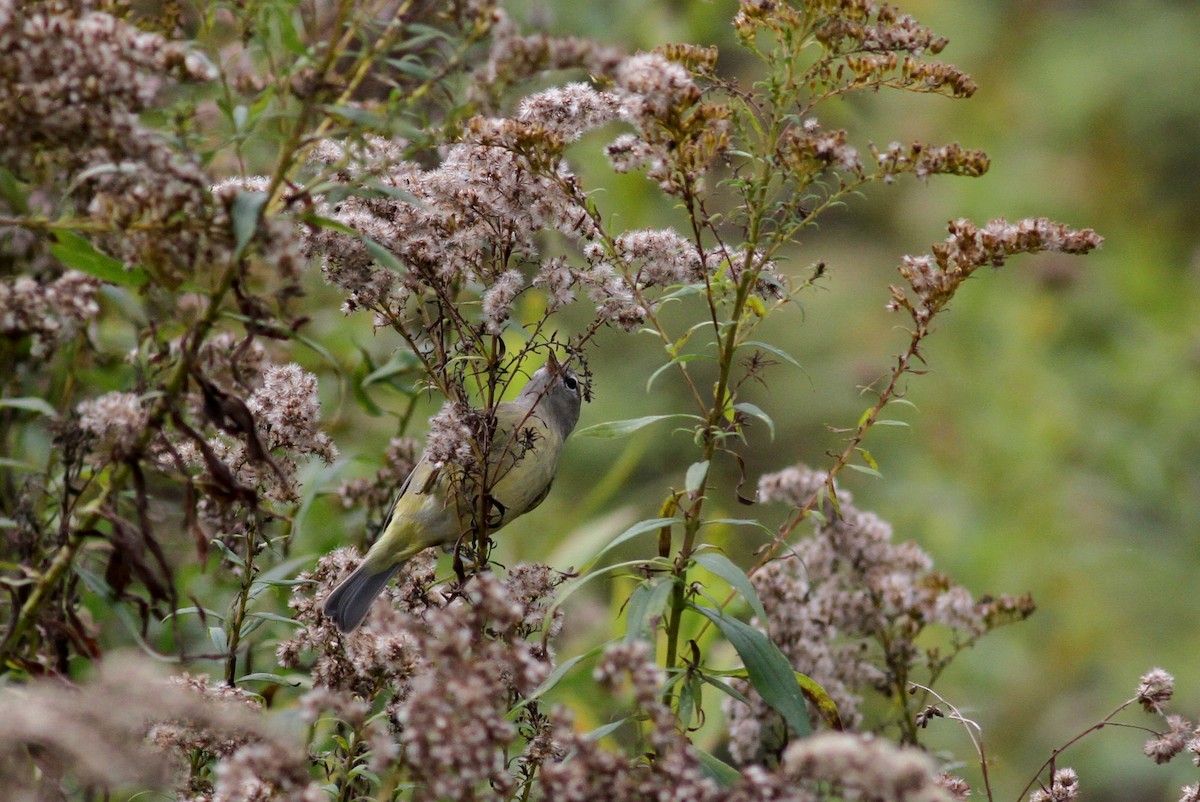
x=420, y=481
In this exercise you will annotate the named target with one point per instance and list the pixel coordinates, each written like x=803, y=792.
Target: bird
x=434, y=506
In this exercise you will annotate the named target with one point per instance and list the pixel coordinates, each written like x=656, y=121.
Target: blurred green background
x=1054, y=444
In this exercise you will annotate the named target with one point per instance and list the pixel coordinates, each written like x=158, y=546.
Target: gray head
x=558, y=394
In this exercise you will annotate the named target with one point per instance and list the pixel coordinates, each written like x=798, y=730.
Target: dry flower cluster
x=848, y=606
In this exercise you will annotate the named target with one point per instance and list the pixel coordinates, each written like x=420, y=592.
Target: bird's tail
x=350, y=601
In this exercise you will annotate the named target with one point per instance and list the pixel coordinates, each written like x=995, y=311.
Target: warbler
x=435, y=505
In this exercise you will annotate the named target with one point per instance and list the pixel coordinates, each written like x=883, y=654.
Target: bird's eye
x=571, y=382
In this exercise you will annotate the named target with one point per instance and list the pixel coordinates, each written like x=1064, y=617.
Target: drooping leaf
x=751, y=409
x=620, y=428
x=766, y=667
x=648, y=600
x=273, y=679
x=825, y=706
x=725, y=687
x=246, y=212
x=724, y=774
x=30, y=404
x=607, y=729
x=725, y=568
x=630, y=533
x=568, y=588
x=217, y=636
x=697, y=472
x=772, y=349
x=78, y=253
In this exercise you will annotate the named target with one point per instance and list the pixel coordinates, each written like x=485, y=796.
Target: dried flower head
x=1155, y=689
x=935, y=278
x=570, y=111
x=117, y=421
x=1064, y=786
x=110, y=732
x=857, y=766
x=1168, y=744
x=49, y=311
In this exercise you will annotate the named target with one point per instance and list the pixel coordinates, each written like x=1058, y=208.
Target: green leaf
x=866, y=416
x=401, y=362
x=279, y=619
x=217, y=636
x=751, y=409
x=740, y=522
x=358, y=385
x=771, y=349
x=725, y=568
x=866, y=455
x=688, y=700
x=607, y=729
x=246, y=212
x=648, y=600
x=682, y=359
x=228, y=553
x=274, y=679
x=382, y=255
x=697, y=472
x=826, y=707
x=864, y=469
x=356, y=115
x=630, y=533
x=725, y=775
x=193, y=611
x=30, y=404
x=557, y=674
x=725, y=687
x=76, y=252
x=575, y=584
x=413, y=65
x=11, y=191
x=329, y=223
x=283, y=583
x=766, y=667
x=620, y=428
x=685, y=291
x=423, y=34
x=95, y=583
x=288, y=35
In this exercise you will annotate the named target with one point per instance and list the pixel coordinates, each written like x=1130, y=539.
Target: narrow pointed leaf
x=647, y=601
x=725, y=775
x=751, y=409
x=725, y=568
x=30, y=404
x=78, y=253
x=620, y=428
x=632, y=532
x=766, y=667
x=246, y=211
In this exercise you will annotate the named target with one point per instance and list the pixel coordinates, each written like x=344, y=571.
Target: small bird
x=432, y=508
